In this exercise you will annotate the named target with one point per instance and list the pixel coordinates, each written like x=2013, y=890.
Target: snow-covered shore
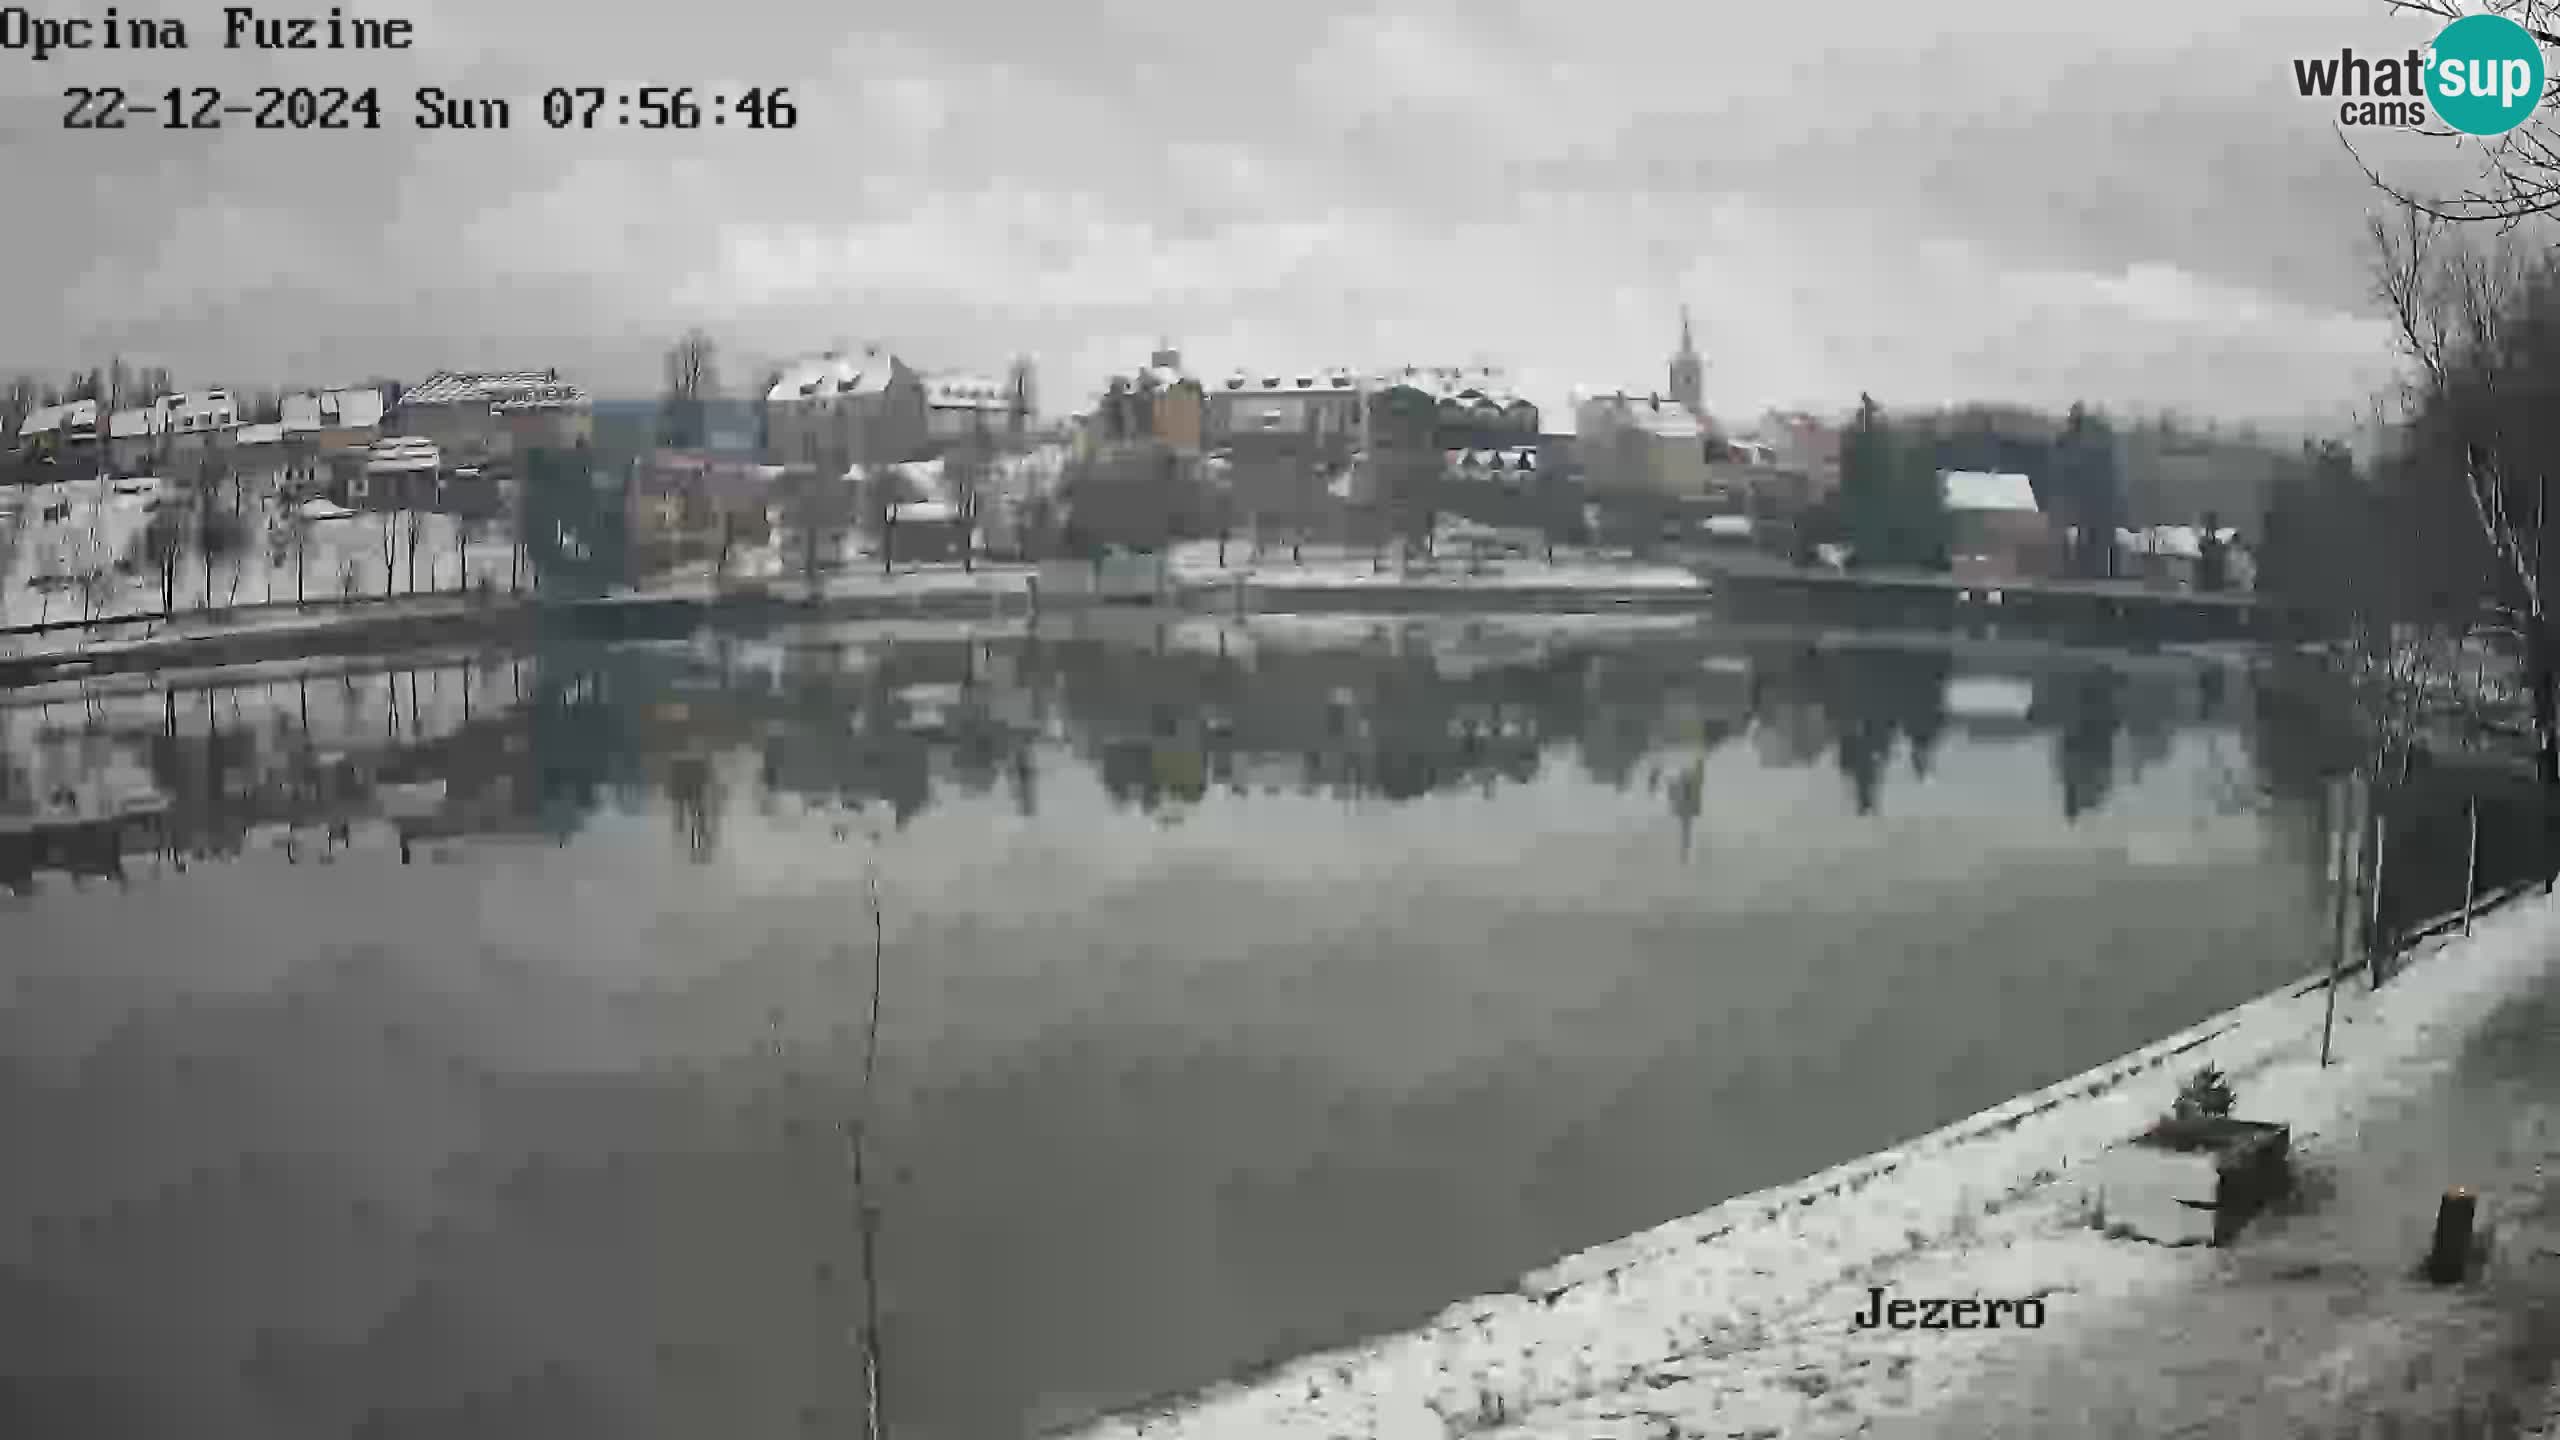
x=1737, y=1320
x=1196, y=563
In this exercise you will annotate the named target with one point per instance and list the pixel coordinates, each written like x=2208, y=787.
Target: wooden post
x=2338, y=844
x=2471, y=864
x=2373, y=937
x=2450, y=1254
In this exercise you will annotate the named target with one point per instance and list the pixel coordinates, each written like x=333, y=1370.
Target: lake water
x=476, y=1046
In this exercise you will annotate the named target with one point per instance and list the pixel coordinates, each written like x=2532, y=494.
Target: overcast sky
x=1996, y=199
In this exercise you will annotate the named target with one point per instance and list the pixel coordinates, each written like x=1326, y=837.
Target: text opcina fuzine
x=240, y=27
x=1971, y=1312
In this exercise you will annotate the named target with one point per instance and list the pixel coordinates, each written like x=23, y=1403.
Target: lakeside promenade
x=1738, y=1321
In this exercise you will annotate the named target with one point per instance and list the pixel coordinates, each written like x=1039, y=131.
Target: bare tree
x=820, y=507
x=884, y=495
x=692, y=366
x=964, y=476
x=92, y=567
x=390, y=551
x=1022, y=398
x=2481, y=327
x=2520, y=170
x=21, y=397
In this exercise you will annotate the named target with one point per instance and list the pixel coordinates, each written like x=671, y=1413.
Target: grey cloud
x=1589, y=150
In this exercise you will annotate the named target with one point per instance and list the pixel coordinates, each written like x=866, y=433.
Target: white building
x=958, y=406
x=1631, y=441
x=49, y=429
x=199, y=413
x=333, y=412
x=135, y=437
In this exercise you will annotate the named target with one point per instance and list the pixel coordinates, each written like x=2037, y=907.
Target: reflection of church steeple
x=1688, y=372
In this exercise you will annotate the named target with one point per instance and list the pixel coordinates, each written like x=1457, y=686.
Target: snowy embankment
x=1737, y=1320
x=1333, y=568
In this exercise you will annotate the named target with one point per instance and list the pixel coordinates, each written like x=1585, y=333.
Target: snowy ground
x=1736, y=1321
x=1331, y=567
x=336, y=558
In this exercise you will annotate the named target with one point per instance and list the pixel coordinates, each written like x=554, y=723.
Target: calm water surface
x=475, y=1047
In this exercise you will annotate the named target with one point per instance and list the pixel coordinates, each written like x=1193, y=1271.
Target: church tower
x=1688, y=372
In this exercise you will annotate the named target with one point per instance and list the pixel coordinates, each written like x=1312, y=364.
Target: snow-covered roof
x=1729, y=526
x=515, y=389
x=1334, y=378
x=135, y=424
x=1654, y=414
x=1486, y=383
x=1521, y=457
x=1671, y=422
x=403, y=452
x=1981, y=490
x=47, y=419
x=816, y=377
x=336, y=409
x=210, y=403
x=957, y=391
x=269, y=434
x=926, y=512
x=922, y=477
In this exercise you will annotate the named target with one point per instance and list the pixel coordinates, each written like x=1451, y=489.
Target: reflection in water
x=538, y=746
x=1249, y=989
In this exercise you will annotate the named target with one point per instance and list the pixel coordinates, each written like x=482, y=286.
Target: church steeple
x=1688, y=372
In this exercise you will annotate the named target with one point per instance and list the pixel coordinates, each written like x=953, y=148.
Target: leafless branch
x=2451, y=305
x=2519, y=176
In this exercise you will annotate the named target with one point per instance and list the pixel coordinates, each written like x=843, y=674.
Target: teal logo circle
x=2485, y=74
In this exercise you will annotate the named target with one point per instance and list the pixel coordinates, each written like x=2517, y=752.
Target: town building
x=333, y=419
x=962, y=410
x=258, y=458
x=475, y=417
x=687, y=506
x=1413, y=420
x=1282, y=447
x=198, y=420
x=1805, y=444
x=59, y=432
x=1996, y=531
x=1641, y=443
x=1325, y=404
x=137, y=439
x=399, y=472
x=1159, y=405
x=2173, y=555
x=834, y=411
